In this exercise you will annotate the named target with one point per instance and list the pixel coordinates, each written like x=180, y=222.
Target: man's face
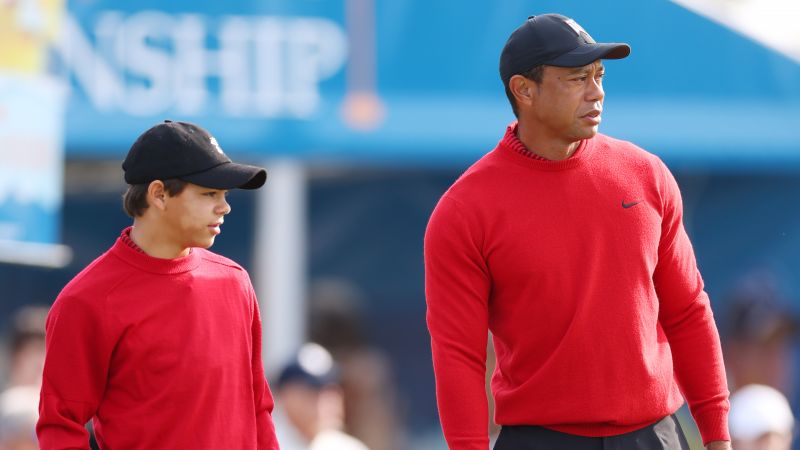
x=568, y=103
x=193, y=218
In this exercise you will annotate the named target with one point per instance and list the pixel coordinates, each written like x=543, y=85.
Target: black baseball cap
x=184, y=150
x=553, y=40
x=758, y=312
x=312, y=366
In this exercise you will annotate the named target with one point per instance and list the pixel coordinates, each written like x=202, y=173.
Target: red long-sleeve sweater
x=584, y=274
x=161, y=354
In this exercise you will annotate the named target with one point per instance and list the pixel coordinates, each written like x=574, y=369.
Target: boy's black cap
x=553, y=40
x=184, y=150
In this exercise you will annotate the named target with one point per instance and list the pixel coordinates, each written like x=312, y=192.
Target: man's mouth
x=593, y=116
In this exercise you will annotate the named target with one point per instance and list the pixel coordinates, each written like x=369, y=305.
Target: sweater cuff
x=468, y=443
x=713, y=426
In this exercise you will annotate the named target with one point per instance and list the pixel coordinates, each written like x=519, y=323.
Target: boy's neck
x=155, y=242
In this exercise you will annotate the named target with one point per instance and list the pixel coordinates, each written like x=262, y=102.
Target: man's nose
x=595, y=91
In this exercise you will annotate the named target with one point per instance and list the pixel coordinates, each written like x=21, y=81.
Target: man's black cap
x=184, y=150
x=553, y=40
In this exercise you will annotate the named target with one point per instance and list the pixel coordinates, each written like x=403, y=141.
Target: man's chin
x=587, y=133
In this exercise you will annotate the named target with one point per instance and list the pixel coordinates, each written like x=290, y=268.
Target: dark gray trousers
x=665, y=434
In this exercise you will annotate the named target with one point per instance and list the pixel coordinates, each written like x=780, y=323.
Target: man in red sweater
x=158, y=341
x=569, y=247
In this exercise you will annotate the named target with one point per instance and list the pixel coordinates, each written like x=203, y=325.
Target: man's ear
x=157, y=195
x=524, y=89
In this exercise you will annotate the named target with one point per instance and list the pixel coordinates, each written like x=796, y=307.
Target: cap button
x=167, y=121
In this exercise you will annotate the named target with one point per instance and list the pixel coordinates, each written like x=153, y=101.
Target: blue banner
x=407, y=81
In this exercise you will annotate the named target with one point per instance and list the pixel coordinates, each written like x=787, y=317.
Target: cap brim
x=229, y=176
x=586, y=54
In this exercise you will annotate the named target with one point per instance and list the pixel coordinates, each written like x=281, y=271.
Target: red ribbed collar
x=125, y=236
x=136, y=257
x=512, y=148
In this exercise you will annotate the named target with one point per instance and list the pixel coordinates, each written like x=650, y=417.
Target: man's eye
x=211, y=194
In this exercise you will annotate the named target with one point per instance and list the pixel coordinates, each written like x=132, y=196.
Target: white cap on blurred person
x=19, y=411
x=757, y=410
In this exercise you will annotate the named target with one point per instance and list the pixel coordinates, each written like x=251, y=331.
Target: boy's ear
x=157, y=195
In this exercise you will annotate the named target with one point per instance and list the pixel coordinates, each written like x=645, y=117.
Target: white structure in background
x=32, y=172
x=770, y=22
x=280, y=260
x=31, y=136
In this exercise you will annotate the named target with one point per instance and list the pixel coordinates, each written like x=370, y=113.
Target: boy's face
x=193, y=218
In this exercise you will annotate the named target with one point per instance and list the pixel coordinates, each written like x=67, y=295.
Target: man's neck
x=547, y=147
x=155, y=242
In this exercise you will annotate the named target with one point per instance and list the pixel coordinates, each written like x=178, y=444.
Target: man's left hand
x=719, y=445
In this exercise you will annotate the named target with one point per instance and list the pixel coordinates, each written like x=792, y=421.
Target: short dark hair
x=134, y=200
x=27, y=325
x=536, y=74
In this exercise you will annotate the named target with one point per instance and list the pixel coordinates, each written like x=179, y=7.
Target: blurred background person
x=758, y=334
x=26, y=347
x=336, y=321
x=19, y=411
x=311, y=402
x=760, y=419
x=19, y=401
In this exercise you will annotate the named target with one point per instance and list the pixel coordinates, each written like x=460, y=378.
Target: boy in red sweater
x=569, y=247
x=158, y=341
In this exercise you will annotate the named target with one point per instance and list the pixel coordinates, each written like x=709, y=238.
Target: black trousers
x=665, y=434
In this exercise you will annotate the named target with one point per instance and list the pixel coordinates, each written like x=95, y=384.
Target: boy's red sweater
x=161, y=354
